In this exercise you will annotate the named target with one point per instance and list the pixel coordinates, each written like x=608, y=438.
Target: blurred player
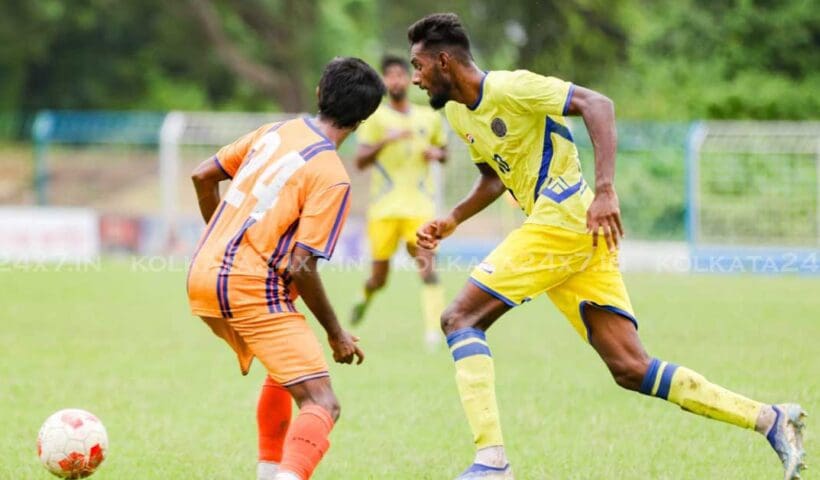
x=514, y=126
x=285, y=207
x=399, y=141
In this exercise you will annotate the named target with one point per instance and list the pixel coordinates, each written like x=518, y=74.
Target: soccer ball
x=72, y=443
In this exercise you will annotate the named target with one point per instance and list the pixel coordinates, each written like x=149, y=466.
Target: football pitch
x=119, y=341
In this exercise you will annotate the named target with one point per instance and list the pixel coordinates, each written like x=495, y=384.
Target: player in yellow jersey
x=514, y=126
x=398, y=143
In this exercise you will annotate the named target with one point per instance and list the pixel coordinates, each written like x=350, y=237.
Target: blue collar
x=480, y=93
x=309, y=123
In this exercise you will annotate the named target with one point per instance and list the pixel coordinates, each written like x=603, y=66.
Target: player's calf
x=307, y=439
x=273, y=414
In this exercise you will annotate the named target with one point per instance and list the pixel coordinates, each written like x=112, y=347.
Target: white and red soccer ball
x=72, y=443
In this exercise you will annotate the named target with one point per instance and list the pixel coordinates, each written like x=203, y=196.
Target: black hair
x=389, y=60
x=440, y=30
x=349, y=91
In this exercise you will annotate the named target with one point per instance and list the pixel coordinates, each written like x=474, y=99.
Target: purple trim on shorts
x=305, y=378
x=609, y=308
x=492, y=292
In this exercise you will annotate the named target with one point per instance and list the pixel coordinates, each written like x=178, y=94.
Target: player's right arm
x=367, y=153
x=486, y=190
x=306, y=278
x=206, y=177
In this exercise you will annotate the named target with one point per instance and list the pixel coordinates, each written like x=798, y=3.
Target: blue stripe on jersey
x=471, y=350
x=336, y=230
x=313, y=127
x=560, y=197
x=212, y=223
x=546, y=158
x=561, y=130
x=323, y=148
x=464, y=334
x=307, y=152
x=384, y=173
x=272, y=290
x=550, y=127
x=227, y=265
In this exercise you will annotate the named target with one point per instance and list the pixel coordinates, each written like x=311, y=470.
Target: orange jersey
x=288, y=188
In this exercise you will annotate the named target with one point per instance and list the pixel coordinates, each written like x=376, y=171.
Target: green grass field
x=122, y=344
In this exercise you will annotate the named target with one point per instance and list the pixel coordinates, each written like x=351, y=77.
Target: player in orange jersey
x=284, y=209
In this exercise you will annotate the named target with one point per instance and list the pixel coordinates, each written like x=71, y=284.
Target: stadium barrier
x=36, y=235
x=705, y=197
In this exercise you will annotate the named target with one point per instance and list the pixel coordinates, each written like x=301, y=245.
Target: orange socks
x=273, y=419
x=307, y=441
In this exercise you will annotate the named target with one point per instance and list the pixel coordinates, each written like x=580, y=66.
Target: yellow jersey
x=401, y=185
x=517, y=126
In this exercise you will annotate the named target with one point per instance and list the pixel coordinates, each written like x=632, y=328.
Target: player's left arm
x=304, y=272
x=206, y=177
x=222, y=166
x=598, y=112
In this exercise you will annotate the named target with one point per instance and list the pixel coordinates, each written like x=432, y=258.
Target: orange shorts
x=284, y=343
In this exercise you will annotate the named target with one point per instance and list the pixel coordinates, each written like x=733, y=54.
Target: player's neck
x=467, y=85
x=333, y=133
x=402, y=105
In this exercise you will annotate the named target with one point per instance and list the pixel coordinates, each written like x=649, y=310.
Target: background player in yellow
x=399, y=142
x=514, y=126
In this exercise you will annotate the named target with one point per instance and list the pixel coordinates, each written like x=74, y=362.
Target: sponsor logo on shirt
x=486, y=267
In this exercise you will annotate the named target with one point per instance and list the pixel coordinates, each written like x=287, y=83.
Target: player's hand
x=433, y=154
x=429, y=235
x=345, y=349
x=604, y=217
x=396, y=135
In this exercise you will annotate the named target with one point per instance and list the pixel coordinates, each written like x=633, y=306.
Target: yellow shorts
x=385, y=233
x=534, y=259
x=284, y=343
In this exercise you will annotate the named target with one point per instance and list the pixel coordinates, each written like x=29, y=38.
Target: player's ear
x=317, y=91
x=443, y=58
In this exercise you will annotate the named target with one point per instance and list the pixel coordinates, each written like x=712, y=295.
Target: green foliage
x=658, y=59
x=734, y=59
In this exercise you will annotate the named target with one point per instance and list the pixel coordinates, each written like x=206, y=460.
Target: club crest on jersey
x=470, y=138
x=499, y=127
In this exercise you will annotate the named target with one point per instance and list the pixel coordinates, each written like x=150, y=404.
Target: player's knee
x=329, y=403
x=377, y=282
x=429, y=278
x=335, y=409
x=453, y=318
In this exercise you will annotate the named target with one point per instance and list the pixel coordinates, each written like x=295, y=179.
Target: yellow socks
x=432, y=304
x=475, y=377
x=693, y=393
